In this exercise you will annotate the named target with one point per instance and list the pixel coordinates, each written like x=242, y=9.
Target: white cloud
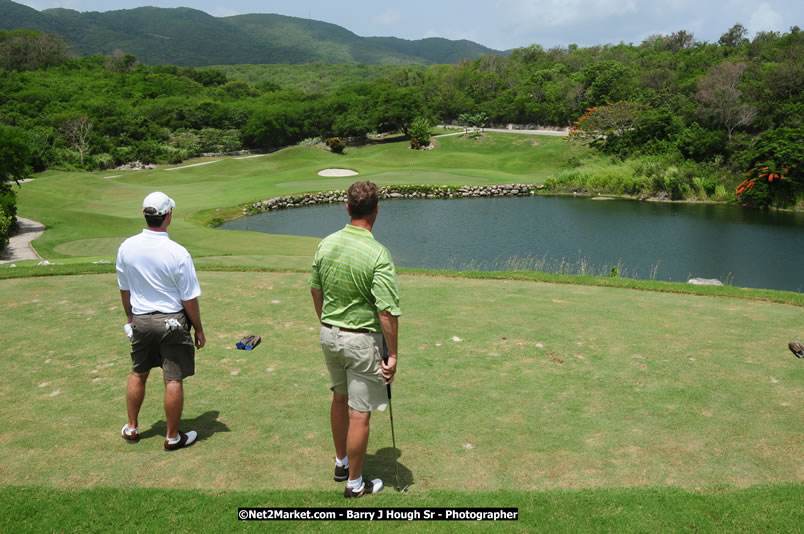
x=387, y=18
x=765, y=18
x=560, y=22
x=40, y=6
x=552, y=13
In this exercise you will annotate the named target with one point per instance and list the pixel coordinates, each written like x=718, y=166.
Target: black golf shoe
x=369, y=487
x=341, y=473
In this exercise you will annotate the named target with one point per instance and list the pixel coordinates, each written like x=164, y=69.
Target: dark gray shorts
x=153, y=345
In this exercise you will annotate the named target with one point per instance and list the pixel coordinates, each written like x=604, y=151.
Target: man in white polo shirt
x=159, y=290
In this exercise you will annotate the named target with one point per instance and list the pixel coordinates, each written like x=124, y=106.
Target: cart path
x=19, y=245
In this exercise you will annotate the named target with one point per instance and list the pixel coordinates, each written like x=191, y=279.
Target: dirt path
x=19, y=246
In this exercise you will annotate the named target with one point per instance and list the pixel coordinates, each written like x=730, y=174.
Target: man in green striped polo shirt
x=355, y=295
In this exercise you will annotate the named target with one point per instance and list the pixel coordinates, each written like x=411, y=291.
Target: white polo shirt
x=158, y=272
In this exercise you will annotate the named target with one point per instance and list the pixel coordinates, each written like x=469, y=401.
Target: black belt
x=353, y=330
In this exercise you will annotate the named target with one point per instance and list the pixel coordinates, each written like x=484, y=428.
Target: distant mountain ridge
x=192, y=38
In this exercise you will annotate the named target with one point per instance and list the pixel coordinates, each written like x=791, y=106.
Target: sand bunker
x=337, y=172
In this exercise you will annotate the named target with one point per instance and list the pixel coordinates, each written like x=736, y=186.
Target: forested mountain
x=188, y=37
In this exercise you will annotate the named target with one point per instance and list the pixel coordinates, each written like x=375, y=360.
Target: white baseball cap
x=158, y=201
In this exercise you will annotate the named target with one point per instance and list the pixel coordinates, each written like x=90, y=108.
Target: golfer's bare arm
x=194, y=314
x=390, y=330
x=125, y=296
x=318, y=301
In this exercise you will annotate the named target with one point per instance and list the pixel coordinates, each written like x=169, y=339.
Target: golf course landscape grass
x=590, y=404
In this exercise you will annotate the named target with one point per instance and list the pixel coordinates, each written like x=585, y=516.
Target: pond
x=645, y=240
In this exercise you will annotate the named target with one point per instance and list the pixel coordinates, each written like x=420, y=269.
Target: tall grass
x=644, y=176
x=580, y=266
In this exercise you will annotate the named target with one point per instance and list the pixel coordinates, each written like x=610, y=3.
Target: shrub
x=5, y=229
x=123, y=155
x=187, y=140
x=698, y=186
x=420, y=130
x=8, y=200
x=709, y=186
x=216, y=140
x=336, y=145
x=65, y=159
x=8, y=209
x=148, y=151
x=700, y=144
x=102, y=161
x=176, y=155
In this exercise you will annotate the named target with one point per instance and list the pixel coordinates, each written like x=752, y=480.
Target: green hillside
x=189, y=37
x=433, y=50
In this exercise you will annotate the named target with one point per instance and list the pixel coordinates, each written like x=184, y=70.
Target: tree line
x=715, y=108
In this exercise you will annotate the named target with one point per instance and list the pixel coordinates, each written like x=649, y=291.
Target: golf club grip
x=385, y=359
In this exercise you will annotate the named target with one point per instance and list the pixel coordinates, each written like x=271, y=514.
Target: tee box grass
x=509, y=393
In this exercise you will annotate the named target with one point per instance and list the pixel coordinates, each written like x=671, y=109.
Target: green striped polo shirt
x=358, y=279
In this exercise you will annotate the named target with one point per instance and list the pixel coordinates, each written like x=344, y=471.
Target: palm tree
x=465, y=119
x=479, y=120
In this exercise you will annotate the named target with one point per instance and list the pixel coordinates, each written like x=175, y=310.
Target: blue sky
x=504, y=24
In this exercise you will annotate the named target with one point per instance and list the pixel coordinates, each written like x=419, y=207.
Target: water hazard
x=645, y=240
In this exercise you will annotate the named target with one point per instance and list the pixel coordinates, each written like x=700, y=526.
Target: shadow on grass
x=381, y=465
x=205, y=424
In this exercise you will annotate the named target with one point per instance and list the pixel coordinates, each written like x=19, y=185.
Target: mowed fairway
x=588, y=408
x=89, y=214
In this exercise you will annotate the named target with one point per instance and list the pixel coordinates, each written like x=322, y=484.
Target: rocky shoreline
x=392, y=192
x=449, y=192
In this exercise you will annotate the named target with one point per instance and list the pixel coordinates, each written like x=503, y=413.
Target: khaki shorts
x=153, y=345
x=353, y=360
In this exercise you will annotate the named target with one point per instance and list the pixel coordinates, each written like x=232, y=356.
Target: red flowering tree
x=602, y=123
x=775, y=177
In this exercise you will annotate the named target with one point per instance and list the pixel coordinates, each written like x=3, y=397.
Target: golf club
x=391, y=413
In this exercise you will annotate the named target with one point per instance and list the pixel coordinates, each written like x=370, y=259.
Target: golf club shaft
x=391, y=413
